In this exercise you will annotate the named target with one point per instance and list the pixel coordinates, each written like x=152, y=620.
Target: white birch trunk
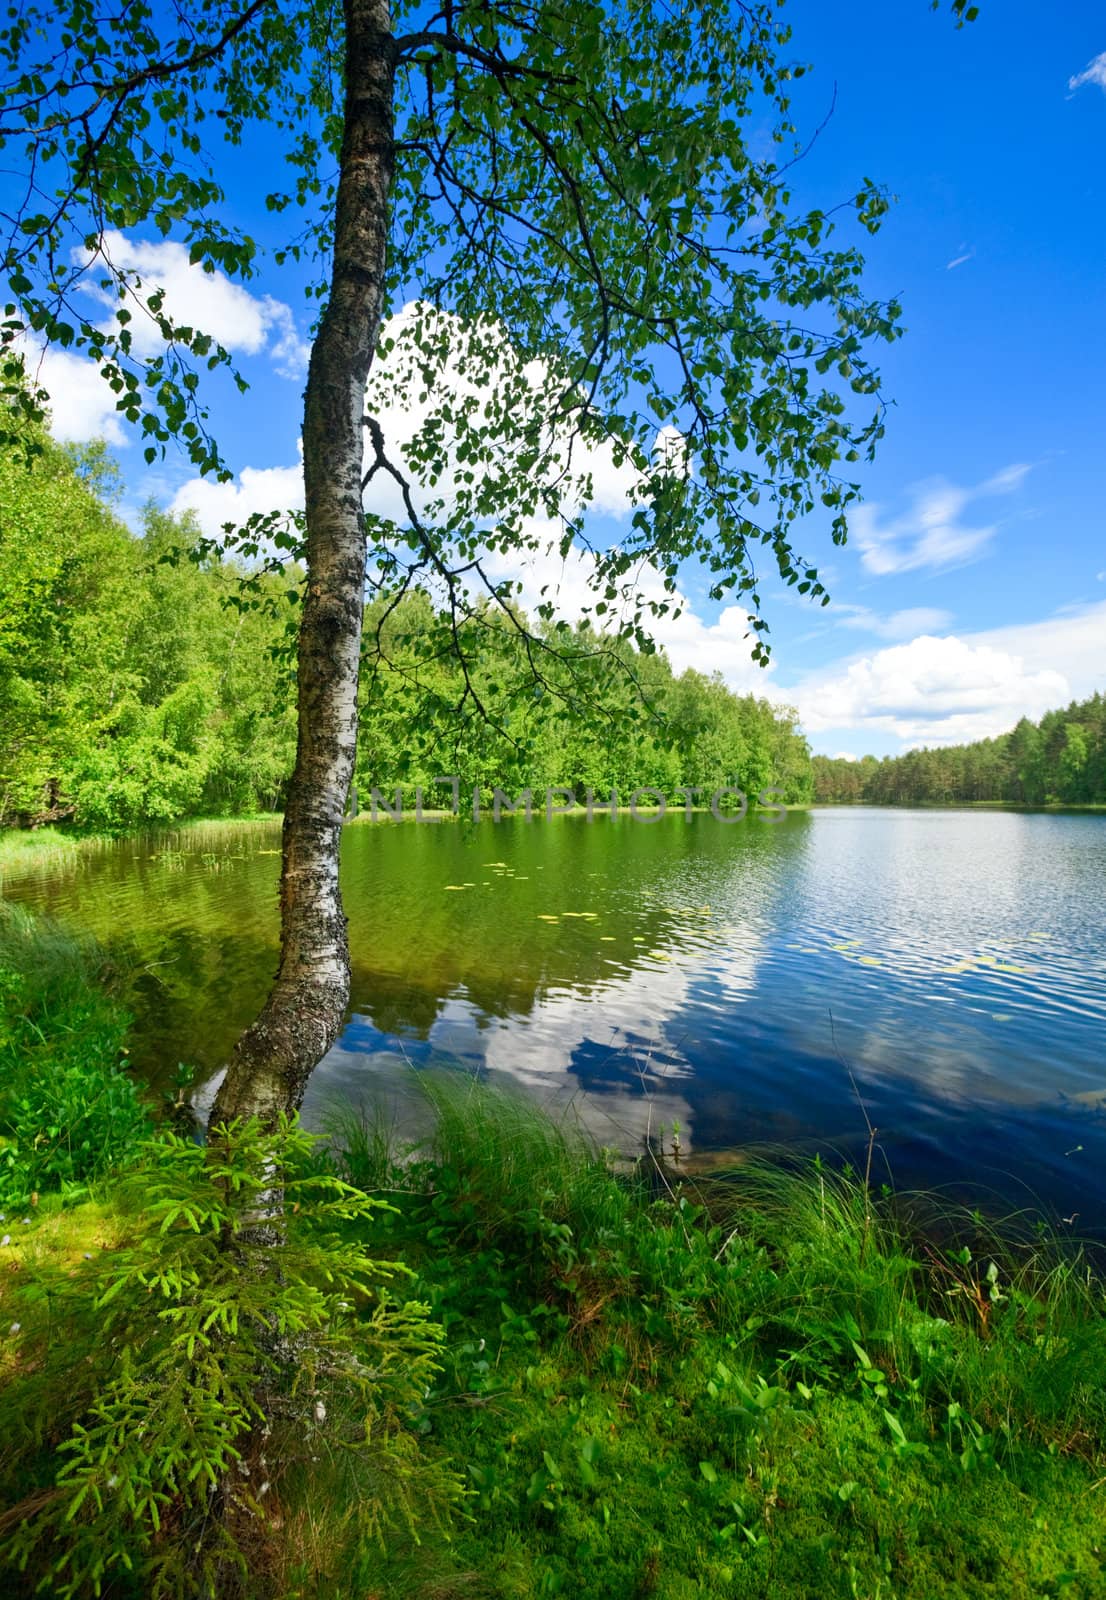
x=273, y=1060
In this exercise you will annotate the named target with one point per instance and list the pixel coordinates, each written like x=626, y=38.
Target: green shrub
x=169, y=1393
x=69, y=1111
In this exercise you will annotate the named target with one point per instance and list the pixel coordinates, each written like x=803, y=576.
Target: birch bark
x=302, y=1016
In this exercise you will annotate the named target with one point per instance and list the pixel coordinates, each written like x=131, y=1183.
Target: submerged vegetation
x=492, y=1362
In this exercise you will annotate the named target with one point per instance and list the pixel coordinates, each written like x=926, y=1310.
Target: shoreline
x=1048, y=808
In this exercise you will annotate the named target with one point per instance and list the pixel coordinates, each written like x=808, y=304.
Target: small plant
x=176, y=1099
x=170, y=1390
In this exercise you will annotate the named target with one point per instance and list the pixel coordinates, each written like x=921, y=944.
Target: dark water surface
x=682, y=970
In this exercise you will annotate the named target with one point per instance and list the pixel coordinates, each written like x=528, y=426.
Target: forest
x=1059, y=760
x=147, y=678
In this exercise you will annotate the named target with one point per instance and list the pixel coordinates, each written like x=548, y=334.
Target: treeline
x=140, y=683
x=129, y=691
x=567, y=708
x=1059, y=760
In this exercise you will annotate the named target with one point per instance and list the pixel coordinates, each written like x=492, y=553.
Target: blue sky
x=973, y=589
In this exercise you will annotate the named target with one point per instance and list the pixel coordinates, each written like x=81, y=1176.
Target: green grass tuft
x=773, y=1384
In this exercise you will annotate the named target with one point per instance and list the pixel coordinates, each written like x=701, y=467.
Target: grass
x=769, y=1385
x=24, y=848
x=775, y=1383
x=69, y=1111
x=34, y=849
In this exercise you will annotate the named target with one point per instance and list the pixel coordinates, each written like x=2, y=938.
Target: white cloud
x=288, y=351
x=256, y=489
x=441, y=370
x=209, y=301
x=930, y=535
x=954, y=689
x=1093, y=72
x=931, y=691
x=81, y=405
x=898, y=625
x=958, y=261
x=1071, y=643
x=421, y=388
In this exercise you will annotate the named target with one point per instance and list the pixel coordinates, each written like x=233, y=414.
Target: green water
x=718, y=976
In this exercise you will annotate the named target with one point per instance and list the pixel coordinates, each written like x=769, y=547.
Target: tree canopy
x=138, y=686
x=572, y=217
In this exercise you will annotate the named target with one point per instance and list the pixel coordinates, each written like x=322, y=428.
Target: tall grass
x=810, y=1275
x=69, y=1111
x=52, y=963
x=776, y=1382
x=26, y=849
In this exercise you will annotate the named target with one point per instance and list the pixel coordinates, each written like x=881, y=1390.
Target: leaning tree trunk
x=273, y=1060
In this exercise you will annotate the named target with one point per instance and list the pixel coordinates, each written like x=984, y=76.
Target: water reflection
x=685, y=971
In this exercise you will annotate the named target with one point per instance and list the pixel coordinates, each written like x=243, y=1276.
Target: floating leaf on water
x=1001, y=1016
x=845, y=944
x=870, y=961
x=1008, y=966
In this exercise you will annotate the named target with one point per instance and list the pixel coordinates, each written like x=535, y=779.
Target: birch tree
x=559, y=234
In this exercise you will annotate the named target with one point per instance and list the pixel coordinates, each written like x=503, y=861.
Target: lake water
x=722, y=977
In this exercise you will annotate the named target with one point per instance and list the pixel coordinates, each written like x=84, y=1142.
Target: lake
x=723, y=978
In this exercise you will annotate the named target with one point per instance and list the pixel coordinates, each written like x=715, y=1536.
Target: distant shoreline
x=1053, y=808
